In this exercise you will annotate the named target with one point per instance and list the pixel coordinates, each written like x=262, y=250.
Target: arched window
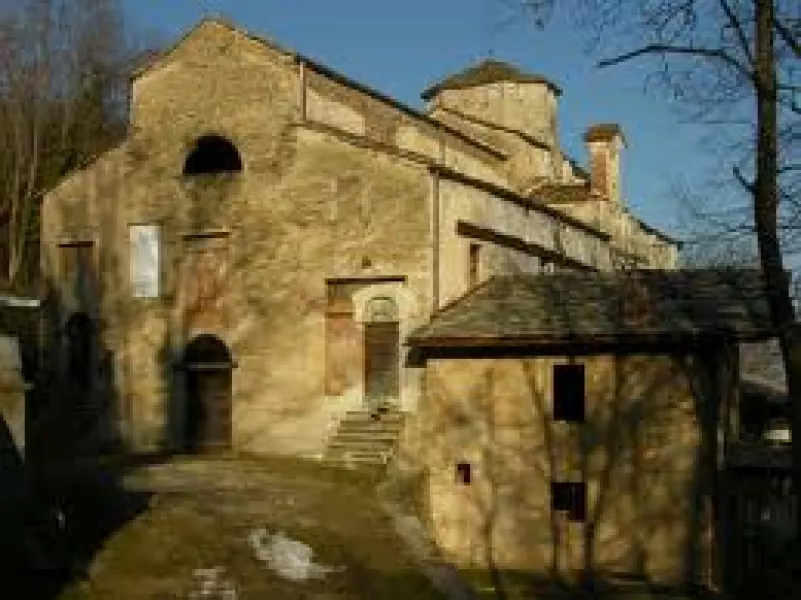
x=381, y=309
x=381, y=351
x=213, y=154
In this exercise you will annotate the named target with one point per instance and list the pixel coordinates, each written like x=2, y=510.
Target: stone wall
x=629, y=238
x=639, y=451
x=524, y=237
x=307, y=206
x=526, y=107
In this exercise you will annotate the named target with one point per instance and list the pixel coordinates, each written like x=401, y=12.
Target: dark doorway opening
x=213, y=154
x=208, y=367
x=79, y=330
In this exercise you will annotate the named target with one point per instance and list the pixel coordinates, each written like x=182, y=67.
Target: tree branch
x=666, y=49
x=747, y=185
x=787, y=37
x=737, y=26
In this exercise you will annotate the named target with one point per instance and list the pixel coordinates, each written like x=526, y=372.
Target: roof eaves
x=589, y=339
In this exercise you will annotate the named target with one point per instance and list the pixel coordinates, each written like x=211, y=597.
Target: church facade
x=244, y=268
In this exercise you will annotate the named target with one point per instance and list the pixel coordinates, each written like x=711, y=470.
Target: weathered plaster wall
x=639, y=451
x=306, y=206
x=459, y=202
x=337, y=105
x=526, y=162
x=526, y=107
x=629, y=237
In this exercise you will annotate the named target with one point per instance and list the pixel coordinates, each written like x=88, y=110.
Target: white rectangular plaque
x=145, y=268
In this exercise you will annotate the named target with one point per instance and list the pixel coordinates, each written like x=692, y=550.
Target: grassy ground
x=199, y=514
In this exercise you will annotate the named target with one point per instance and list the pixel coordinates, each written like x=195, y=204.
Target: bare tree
x=735, y=64
x=64, y=68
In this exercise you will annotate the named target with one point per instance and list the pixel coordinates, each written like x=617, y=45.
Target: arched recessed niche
x=213, y=154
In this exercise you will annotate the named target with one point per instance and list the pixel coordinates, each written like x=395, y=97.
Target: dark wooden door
x=208, y=414
x=381, y=358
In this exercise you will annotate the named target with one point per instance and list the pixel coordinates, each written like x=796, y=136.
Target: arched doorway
x=207, y=421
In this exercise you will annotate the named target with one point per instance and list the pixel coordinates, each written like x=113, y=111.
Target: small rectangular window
x=463, y=474
x=474, y=265
x=568, y=393
x=570, y=497
x=145, y=261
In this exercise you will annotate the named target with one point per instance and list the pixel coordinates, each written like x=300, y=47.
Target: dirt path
x=201, y=515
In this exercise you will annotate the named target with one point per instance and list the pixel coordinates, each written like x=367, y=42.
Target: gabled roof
x=486, y=72
x=603, y=307
x=159, y=58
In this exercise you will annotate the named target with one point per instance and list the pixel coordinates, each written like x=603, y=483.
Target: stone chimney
x=604, y=143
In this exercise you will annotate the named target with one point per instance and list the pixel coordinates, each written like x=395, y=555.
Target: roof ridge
x=469, y=293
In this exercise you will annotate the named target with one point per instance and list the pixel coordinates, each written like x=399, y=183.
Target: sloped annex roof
x=486, y=72
x=599, y=307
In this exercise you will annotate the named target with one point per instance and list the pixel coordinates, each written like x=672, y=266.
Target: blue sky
x=402, y=47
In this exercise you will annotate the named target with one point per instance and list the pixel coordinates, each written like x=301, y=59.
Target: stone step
x=363, y=416
x=356, y=434
x=361, y=445
x=365, y=438
x=364, y=457
x=388, y=428
x=359, y=449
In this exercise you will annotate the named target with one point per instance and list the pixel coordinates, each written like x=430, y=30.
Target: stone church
x=278, y=257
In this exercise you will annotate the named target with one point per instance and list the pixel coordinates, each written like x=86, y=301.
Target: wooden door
x=208, y=409
x=208, y=367
x=381, y=356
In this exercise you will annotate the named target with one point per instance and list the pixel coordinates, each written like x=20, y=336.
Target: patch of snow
x=289, y=558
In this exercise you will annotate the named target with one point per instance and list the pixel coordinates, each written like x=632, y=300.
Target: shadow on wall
x=12, y=490
x=623, y=492
x=72, y=497
x=78, y=410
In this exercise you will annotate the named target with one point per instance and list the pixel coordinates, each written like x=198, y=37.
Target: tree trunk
x=765, y=216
